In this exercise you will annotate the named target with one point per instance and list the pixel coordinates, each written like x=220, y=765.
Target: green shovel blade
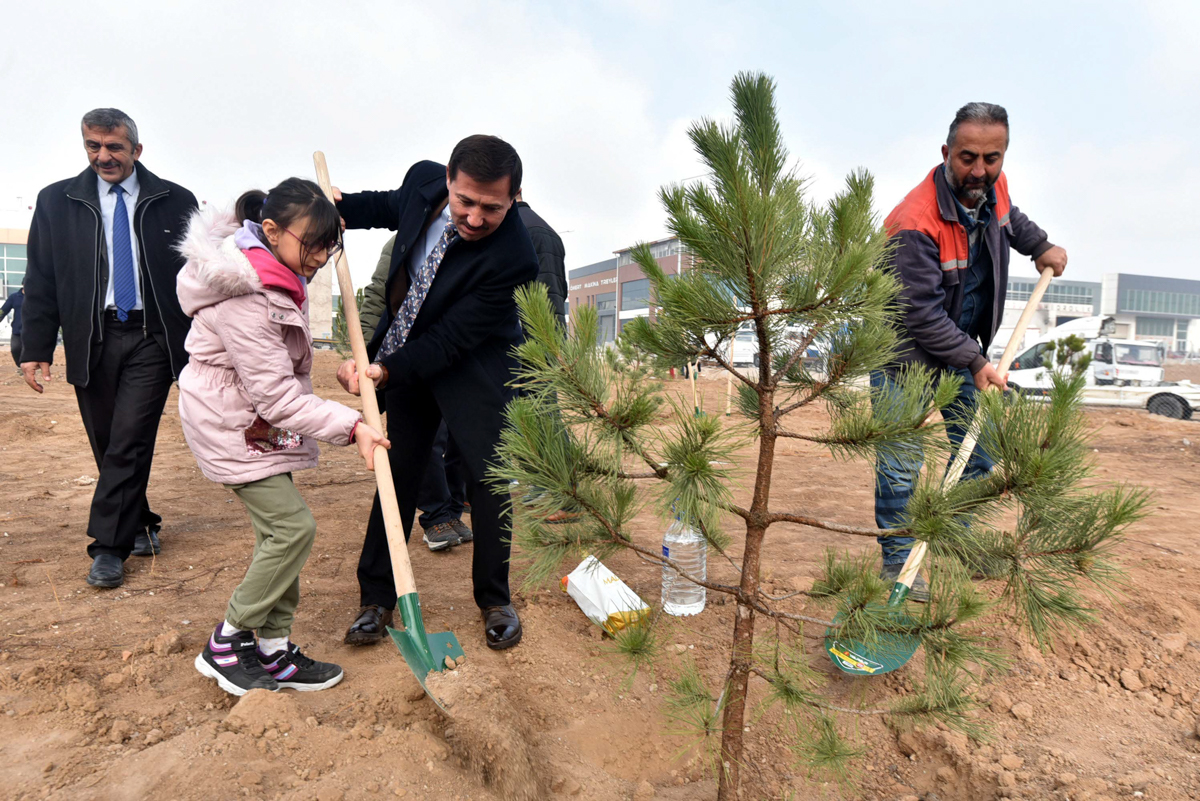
x=421, y=651
x=889, y=652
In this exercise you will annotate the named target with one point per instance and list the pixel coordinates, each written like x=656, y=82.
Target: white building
x=1147, y=307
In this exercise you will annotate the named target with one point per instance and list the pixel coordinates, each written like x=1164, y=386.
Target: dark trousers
x=14, y=343
x=130, y=378
x=471, y=400
x=444, y=489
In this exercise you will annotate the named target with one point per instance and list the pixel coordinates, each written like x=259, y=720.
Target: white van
x=1119, y=362
x=1124, y=372
x=745, y=345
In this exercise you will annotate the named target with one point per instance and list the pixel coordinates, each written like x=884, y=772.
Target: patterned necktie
x=397, y=334
x=124, y=288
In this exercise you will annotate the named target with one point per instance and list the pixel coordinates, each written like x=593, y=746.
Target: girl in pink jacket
x=250, y=416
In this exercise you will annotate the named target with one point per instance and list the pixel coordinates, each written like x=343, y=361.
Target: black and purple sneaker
x=290, y=668
x=233, y=662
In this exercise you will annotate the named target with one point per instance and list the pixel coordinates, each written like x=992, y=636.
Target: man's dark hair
x=110, y=119
x=983, y=113
x=486, y=159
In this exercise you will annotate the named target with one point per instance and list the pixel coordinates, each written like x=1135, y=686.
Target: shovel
x=422, y=652
x=892, y=651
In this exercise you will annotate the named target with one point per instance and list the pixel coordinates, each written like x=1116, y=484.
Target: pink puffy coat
x=245, y=398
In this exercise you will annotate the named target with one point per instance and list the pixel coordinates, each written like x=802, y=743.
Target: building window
x=607, y=301
x=635, y=294
x=1056, y=293
x=1145, y=300
x=1155, y=327
x=659, y=251
x=12, y=268
x=664, y=249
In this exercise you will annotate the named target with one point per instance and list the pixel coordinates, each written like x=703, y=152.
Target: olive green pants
x=284, y=530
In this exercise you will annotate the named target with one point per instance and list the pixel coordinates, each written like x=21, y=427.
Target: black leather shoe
x=107, y=571
x=501, y=627
x=145, y=543
x=370, y=626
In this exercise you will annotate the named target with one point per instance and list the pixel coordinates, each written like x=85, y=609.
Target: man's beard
x=969, y=196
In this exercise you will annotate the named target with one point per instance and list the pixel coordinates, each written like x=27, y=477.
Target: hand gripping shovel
x=892, y=651
x=423, y=652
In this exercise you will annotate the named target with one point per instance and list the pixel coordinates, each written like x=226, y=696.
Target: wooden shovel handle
x=397, y=547
x=1010, y=352
x=912, y=564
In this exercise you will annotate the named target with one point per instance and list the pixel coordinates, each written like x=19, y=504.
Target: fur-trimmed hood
x=216, y=267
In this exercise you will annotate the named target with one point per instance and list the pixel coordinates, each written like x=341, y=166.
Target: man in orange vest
x=953, y=234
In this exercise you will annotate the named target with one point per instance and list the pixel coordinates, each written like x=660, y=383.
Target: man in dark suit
x=442, y=350
x=101, y=266
x=443, y=496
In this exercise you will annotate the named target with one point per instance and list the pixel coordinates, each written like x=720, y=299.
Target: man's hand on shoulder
x=1055, y=258
x=337, y=198
x=987, y=377
x=30, y=371
x=347, y=376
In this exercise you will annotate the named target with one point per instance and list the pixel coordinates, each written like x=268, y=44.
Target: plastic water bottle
x=686, y=547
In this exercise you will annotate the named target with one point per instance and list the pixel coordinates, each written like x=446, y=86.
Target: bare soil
x=99, y=699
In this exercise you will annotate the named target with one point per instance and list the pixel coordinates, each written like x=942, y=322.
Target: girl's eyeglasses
x=332, y=249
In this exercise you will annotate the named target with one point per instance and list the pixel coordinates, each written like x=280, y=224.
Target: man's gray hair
x=109, y=119
x=982, y=113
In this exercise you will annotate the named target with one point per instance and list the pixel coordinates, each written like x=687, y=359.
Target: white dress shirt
x=108, y=208
x=421, y=250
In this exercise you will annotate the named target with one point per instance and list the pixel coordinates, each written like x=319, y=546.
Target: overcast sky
x=1103, y=97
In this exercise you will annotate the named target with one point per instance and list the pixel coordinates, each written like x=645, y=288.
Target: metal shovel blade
x=889, y=652
x=421, y=651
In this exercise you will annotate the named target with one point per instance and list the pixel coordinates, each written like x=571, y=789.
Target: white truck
x=1123, y=372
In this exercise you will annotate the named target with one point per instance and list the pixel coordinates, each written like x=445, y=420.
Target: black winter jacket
x=552, y=268
x=66, y=278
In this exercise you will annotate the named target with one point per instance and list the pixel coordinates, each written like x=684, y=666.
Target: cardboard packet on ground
x=604, y=598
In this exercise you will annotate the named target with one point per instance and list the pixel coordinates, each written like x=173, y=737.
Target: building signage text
x=589, y=284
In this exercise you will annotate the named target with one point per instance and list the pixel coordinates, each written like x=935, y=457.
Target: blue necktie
x=397, y=335
x=124, y=287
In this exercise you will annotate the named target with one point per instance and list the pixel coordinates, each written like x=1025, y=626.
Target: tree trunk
x=740, y=661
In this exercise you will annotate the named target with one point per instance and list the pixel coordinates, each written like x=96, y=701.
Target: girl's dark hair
x=294, y=199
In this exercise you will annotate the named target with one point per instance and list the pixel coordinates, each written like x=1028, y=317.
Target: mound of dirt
x=99, y=699
x=485, y=730
x=259, y=710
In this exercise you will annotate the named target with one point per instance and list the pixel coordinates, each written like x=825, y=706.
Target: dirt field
x=100, y=699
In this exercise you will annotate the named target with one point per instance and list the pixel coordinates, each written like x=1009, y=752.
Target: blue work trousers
x=896, y=473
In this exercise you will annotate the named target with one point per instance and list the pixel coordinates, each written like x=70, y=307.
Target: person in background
x=552, y=272
x=102, y=267
x=13, y=304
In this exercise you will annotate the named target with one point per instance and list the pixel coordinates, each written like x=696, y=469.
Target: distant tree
x=341, y=334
